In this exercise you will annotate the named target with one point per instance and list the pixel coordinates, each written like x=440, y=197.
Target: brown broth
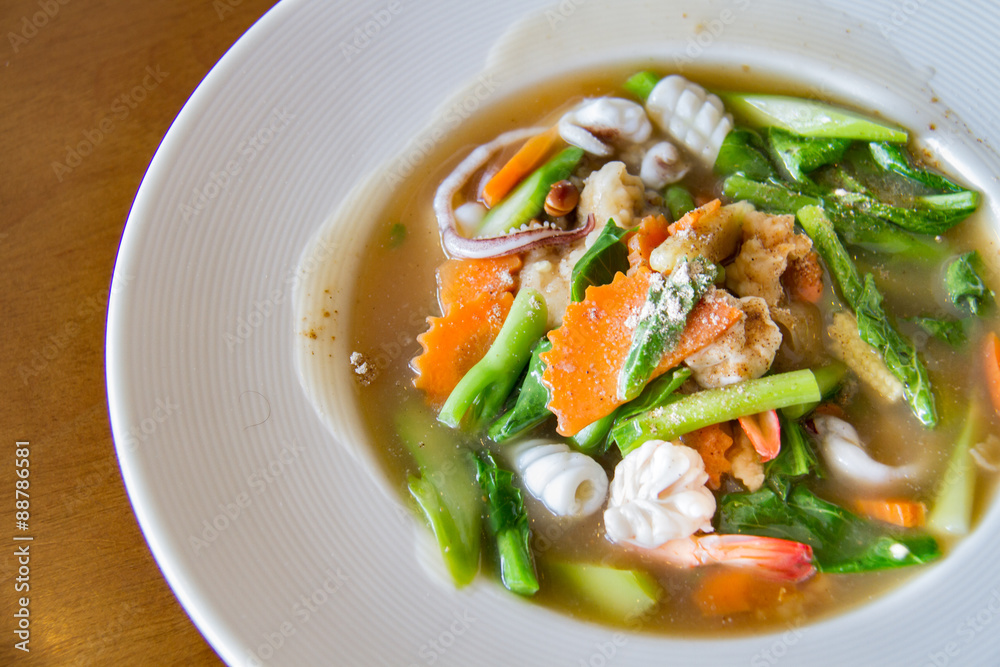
x=392, y=305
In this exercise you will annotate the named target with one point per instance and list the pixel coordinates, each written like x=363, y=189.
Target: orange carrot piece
x=456, y=342
x=804, y=278
x=728, y=591
x=528, y=158
x=899, y=512
x=712, y=442
x=992, y=355
x=462, y=280
x=590, y=347
x=642, y=241
x=690, y=219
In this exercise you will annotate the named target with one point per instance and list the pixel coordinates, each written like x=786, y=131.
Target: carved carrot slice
x=651, y=232
x=691, y=218
x=462, y=280
x=712, y=442
x=456, y=342
x=590, y=347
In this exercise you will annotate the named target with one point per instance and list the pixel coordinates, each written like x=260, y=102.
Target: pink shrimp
x=781, y=560
x=764, y=431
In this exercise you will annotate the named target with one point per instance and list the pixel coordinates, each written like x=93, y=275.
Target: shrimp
x=743, y=352
x=549, y=271
x=770, y=557
x=611, y=192
x=770, y=244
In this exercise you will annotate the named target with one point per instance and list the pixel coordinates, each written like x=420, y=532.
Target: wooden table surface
x=76, y=140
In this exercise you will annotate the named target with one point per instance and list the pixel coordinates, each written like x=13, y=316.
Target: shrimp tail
x=770, y=557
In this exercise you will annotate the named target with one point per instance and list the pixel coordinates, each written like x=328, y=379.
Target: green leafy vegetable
x=947, y=330
x=508, y=524
x=893, y=158
x=929, y=215
x=795, y=460
x=528, y=199
x=679, y=201
x=601, y=262
x=799, y=155
x=395, y=236
x=766, y=196
x=480, y=395
x=529, y=410
x=690, y=412
x=899, y=354
x=445, y=491
x=809, y=118
x=841, y=541
x=965, y=286
x=662, y=320
x=854, y=226
x=871, y=232
x=742, y=152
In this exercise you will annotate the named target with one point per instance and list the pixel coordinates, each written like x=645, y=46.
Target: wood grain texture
x=69, y=72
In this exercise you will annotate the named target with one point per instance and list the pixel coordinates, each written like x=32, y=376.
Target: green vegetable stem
x=445, y=491
x=828, y=378
x=690, y=412
x=530, y=408
x=898, y=353
x=809, y=118
x=480, y=395
x=624, y=594
x=593, y=439
x=951, y=512
x=508, y=524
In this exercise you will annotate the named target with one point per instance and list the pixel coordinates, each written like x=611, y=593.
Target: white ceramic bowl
x=264, y=511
